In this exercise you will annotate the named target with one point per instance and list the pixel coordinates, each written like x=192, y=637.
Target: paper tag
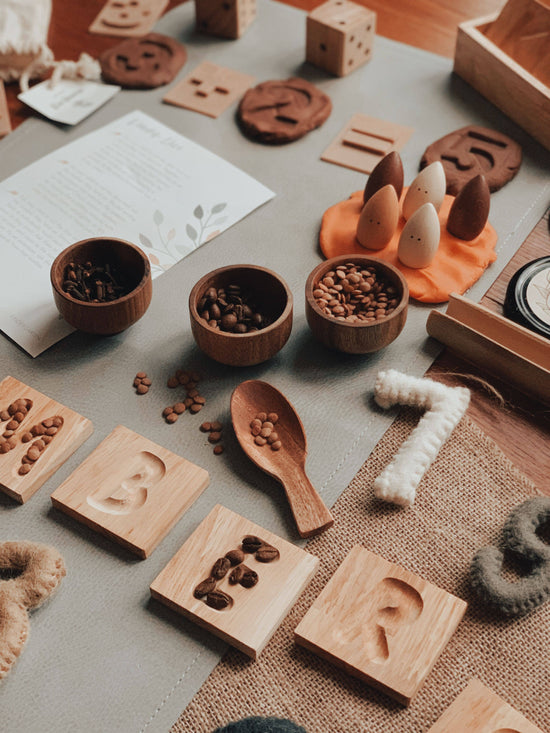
x=68, y=101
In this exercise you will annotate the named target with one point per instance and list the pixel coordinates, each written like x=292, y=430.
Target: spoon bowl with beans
x=272, y=436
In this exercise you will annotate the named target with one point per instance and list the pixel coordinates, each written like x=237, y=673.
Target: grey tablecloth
x=102, y=656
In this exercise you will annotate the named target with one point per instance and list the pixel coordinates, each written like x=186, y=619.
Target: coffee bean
x=218, y=599
x=235, y=556
x=277, y=445
x=236, y=575
x=251, y=543
x=214, y=437
x=25, y=468
x=218, y=449
x=205, y=427
x=167, y=411
x=33, y=454
x=220, y=568
x=179, y=408
x=216, y=426
x=172, y=382
x=194, y=408
x=249, y=578
x=4, y=415
x=207, y=586
x=259, y=440
x=267, y=553
x=172, y=417
x=142, y=389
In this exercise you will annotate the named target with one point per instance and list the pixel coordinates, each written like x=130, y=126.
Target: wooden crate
x=500, y=79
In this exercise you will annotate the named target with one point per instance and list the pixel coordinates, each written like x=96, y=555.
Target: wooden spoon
x=287, y=465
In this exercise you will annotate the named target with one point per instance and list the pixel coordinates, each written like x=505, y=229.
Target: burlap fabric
x=461, y=505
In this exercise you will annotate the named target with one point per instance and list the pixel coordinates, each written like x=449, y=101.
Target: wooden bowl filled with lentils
x=241, y=314
x=356, y=304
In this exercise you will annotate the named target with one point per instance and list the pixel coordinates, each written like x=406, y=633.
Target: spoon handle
x=310, y=513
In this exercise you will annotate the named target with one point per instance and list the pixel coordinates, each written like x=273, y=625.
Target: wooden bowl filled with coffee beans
x=101, y=285
x=241, y=314
x=356, y=304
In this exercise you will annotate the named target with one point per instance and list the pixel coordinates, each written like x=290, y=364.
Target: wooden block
x=69, y=436
x=224, y=18
x=522, y=30
x=254, y=613
x=340, y=36
x=500, y=79
x=364, y=141
x=381, y=623
x=5, y=122
x=131, y=490
x=496, y=344
x=209, y=89
x=128, y=17
x=479, y=710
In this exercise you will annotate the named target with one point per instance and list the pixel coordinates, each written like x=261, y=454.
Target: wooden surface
x=479, y=710
x=255, y=613
x=287, y=465
x=129, y=18
x=381, y=623
x=70, y=436
x=131, y=490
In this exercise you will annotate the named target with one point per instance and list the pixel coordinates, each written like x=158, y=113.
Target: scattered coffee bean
x=172, y=382
x=207, y=586
x=167, y=411
x=171, y=418
x=214, y=437
x=218, y=599
x=262, y=428
x=99, y=283
x=142, y=383
x=354, y=294
x=195, y=407
x=218, y=449
x=216, y=426
x=205, y=427
x=236, y=575
x=251, y=543
x=267, y=553
x=231, y=309
x=220, y=568
x=235, y=556
x=179, y=408
x=249, y=577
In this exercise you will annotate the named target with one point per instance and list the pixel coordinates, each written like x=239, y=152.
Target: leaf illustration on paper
x=217, y=208
x=191, y=232
x=182, y=249
x=158, y=217
x=198, y=213
x=154, y=259
x=219, y=221
x=171, y=234
x=146, y=242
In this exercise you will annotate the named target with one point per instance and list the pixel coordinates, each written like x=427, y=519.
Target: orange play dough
x=456, y=266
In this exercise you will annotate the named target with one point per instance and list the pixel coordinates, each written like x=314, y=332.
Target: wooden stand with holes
x=500, y=346
x=479, y=710
x=75, y=430
x=381, y=623
x=131, y=490
x=506, y=57
x=255, y=613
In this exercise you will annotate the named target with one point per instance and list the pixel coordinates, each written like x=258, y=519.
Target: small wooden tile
x=128, y=17
x=364, y=141
x=74, y=430
x=381, y=623
x=131, y=490
x=254, y=613
x=5, y=122
x=479, y=710
x=209, y=89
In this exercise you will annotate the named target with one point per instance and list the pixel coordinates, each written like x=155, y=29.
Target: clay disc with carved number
x=471, y=151
x=143, y=63
x=277, y=112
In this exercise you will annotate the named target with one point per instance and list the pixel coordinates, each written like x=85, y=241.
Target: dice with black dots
x=340, y=36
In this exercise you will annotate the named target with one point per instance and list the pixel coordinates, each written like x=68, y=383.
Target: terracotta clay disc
x=143, y=63
x=471, y=151
x=277, y=112
x=456, y=266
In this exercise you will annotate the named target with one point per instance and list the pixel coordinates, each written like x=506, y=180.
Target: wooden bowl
x=357, y=337
x=113, y=316
x=272, y=297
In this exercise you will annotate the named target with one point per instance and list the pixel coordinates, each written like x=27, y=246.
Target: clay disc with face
x=277, y=112
x=143, y=63
x=471, y=151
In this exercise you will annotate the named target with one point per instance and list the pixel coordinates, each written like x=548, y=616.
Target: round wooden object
x=116, y=315
x=273, y=298
x=356, y=337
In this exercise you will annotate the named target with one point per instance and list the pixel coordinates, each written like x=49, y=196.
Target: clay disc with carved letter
x=471, y=151
x=143, y=63
x=277, y=112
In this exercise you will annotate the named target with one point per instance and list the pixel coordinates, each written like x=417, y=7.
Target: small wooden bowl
x=363, y=337
x=116, y=315
x=273, y=298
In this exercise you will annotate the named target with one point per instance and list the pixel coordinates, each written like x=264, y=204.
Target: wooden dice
x=340, y=36
x=224, y=18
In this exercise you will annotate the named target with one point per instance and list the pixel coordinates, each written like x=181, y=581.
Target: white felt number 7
x=444, y=407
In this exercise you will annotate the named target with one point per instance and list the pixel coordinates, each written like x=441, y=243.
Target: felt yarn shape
x=262, y=725
x=521, y=538
x=428, y=187
x=32, y=572
x=378, y=219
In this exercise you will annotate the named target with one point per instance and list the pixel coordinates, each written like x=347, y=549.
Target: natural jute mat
x=461, y=505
